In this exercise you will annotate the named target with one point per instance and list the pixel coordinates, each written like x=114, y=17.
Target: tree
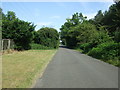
x=86, y=32
x=66, y=38
x=10, y=15
x=110, y=20
x=18, y=30
x=98, y=18
x=47, y=37
x=116, y=1
x=35, y=37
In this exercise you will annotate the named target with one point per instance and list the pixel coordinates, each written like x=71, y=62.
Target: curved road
x=71, y=69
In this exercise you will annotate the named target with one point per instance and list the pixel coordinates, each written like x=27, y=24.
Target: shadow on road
x=62, y=46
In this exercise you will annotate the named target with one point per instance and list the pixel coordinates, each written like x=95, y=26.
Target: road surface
x=71, y=69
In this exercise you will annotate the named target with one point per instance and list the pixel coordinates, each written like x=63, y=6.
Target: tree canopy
x=47, y=36
x=98, y=37
x=18, y=30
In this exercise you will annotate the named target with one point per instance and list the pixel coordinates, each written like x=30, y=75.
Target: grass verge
x=20, y=69
x=77, y=49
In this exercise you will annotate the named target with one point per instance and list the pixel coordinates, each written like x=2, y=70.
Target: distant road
x=71, y=69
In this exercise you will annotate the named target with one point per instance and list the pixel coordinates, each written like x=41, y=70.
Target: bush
x=114, y=62
x=106, y=51
x=48, y=37
x=39, y=47
x=86, y=47
x=96, y=53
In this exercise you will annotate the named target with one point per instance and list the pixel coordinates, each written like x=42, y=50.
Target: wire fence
x=7, y=44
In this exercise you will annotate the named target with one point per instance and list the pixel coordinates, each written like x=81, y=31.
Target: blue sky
x=52, y=14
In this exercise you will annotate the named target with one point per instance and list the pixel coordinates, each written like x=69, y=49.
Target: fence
x=7, y=44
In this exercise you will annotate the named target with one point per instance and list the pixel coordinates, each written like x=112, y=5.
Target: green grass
x=21, y=69
x=80, y=50
x=114, y=62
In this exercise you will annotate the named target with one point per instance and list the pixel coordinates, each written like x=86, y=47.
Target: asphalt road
x=71, y=69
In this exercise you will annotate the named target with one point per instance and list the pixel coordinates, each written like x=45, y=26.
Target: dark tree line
x=47, y=37
x=98, y=37
x=18, y=30
x=110, y=20
x=23, y=33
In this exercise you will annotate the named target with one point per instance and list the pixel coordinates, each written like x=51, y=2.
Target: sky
x=53, y=14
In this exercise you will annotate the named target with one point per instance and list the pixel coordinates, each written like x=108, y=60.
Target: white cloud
x=55, y=17
x=90, y=15
x=43, y=24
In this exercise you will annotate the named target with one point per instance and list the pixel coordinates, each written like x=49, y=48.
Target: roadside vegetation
x=32, y=51
x=46, y=37
x=98, y=37
x=24, y=35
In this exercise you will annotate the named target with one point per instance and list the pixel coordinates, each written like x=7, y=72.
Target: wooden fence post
x=2, y=44
x=8, y=44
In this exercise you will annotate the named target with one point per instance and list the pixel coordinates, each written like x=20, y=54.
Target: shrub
x=106, y=51
x=96, y=53
x=117, y=36
x=86, y=47
x=114, y=62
